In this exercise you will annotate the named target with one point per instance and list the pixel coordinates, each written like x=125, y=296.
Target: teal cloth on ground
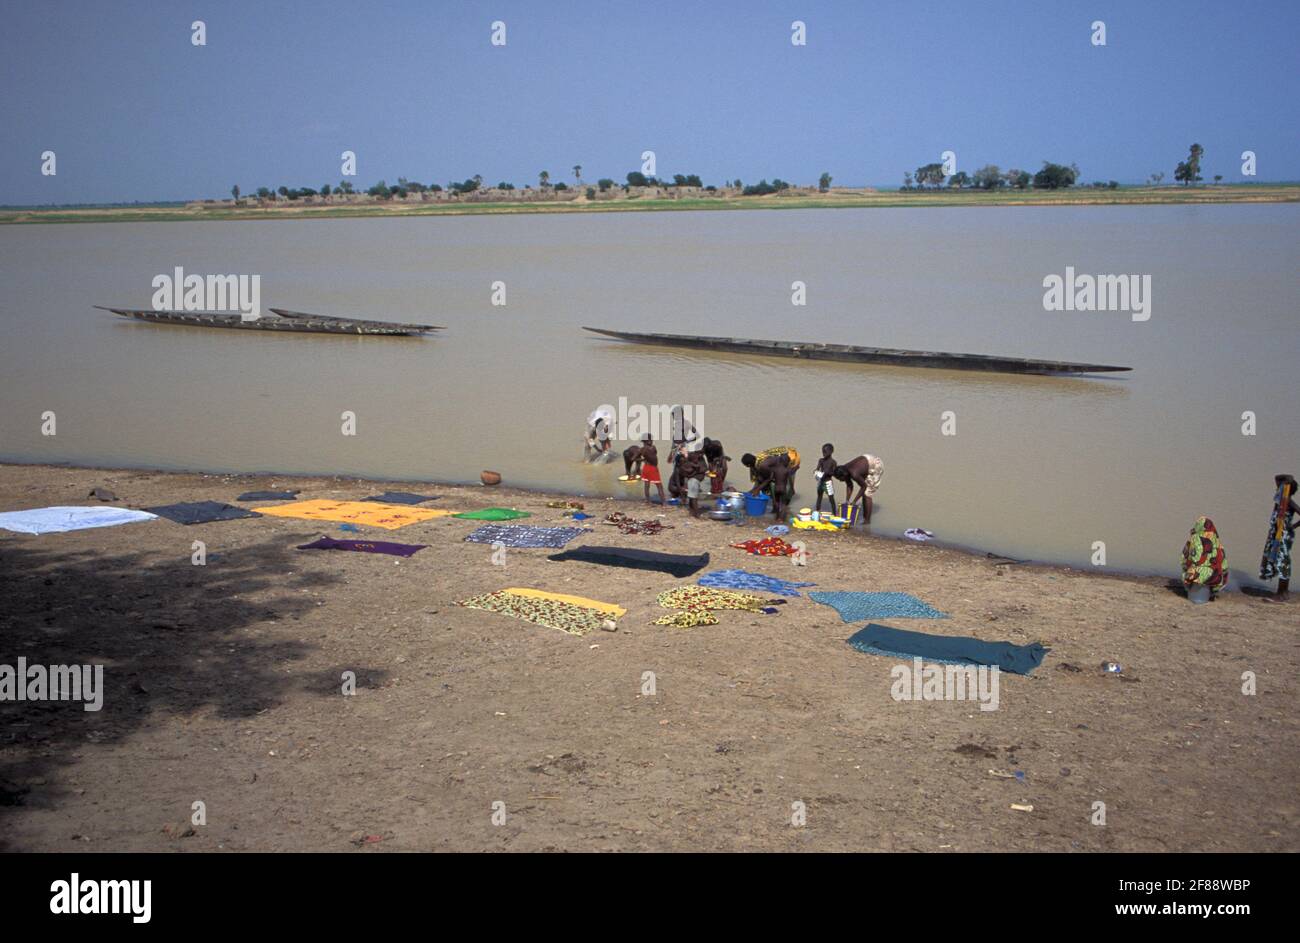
x=946, y=649
x=859, y=607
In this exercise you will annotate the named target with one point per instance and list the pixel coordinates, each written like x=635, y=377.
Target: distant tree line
x=991, y=177
x=404, y=187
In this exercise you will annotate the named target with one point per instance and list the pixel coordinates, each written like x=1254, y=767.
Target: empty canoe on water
x=302, y=315
x=296, y=322
x=849, y=354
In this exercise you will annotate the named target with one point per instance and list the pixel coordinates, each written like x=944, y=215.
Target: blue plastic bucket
x=756, y=506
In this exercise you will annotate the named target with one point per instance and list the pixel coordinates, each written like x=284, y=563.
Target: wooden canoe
x=850, y=354
x=306, y=323
x=302, y=315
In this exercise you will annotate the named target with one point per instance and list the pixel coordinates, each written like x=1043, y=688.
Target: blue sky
x=134, y=111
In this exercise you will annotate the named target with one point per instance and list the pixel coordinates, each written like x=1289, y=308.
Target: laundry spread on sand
x=493, y=514
x=267, y=496
x=918, y=533
x=698, y=602
x=401, y=497
x=900, y=643
x=521, y=535
x=364, y=546
x=757, y=582
x=566, y=505
x=627, y=524
x=576, y=615
x=859, y=607
x=679, y=565
x=103, y=494
x=57, y=520
x=768, y=547
x=370, y=513
x=201, y=512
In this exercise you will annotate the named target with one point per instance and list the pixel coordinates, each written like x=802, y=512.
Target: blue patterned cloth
x=857, y=607
x=756, y=582
x=520, y=535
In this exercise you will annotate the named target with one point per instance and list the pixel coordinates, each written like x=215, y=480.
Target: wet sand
x=223, y=686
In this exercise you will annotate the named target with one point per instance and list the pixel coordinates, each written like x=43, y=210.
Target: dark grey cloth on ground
x=885, y=640
x=103, y=494
x=401, y=497
x=201, y=512
x=520, y=535
x=267, y=496
x=678, y=565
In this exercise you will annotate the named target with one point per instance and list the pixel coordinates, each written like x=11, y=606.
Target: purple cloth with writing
x=364, y=546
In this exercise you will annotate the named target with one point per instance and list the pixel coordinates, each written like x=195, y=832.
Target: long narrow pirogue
x=849, y=354
x=293, y=321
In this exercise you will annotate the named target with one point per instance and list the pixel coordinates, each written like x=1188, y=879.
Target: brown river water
x=1038, y=467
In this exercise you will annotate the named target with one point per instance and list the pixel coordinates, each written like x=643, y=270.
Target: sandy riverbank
x=223, y=687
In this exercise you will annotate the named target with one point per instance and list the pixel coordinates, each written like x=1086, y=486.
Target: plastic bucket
x=1199, y=595
x=756, y=506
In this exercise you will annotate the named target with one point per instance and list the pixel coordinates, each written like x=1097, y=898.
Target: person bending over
x=864, y=471
x=773, y=471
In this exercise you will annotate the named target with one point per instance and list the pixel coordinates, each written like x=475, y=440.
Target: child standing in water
x=650, y=468
x=825, y=476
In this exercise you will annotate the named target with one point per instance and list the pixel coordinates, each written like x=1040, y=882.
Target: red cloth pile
x=768, y=547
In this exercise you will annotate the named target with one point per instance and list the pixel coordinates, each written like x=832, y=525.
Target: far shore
x=656, y=201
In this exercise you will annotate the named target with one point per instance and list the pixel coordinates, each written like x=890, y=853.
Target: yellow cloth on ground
x=583, y=601
x=813, y=525
x=370, y=513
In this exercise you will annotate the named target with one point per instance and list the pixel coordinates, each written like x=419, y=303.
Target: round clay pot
x=490, y=478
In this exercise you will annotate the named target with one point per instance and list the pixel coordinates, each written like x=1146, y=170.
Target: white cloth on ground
x=54, y=520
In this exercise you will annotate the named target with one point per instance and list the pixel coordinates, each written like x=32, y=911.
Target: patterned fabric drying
x=1276, y=562
x=758, y=582
x=698, y=601
x=627, y=524
x=520, y=535
x=575, y=615
x=1204, y=561
x=370, y=513
x=364, y=546
x=858, y=607
x=768, y=547
x=493, y=514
